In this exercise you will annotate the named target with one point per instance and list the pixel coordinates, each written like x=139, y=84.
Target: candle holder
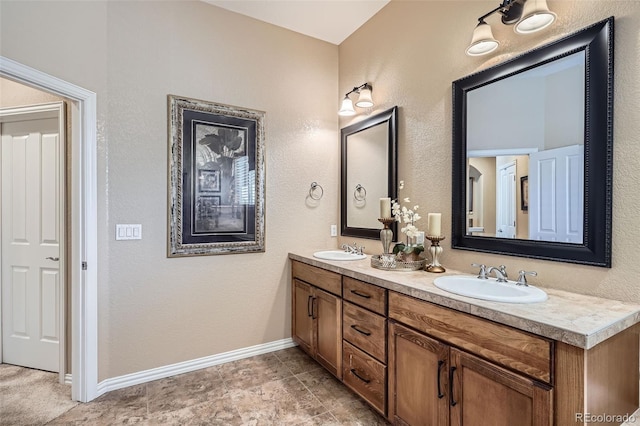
x=435, y=250
x=386, y=234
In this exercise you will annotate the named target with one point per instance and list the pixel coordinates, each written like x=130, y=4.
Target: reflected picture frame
x=524, y=193
x=216, y=195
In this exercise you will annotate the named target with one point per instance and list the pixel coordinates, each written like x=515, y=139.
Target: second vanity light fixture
x=528, y=16
x=364, y=100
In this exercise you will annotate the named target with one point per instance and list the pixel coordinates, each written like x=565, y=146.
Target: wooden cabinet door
x=327, y=313
x=418, y=381
x=485, y=394
x=302, y=326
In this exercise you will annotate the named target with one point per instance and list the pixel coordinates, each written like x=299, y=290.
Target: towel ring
x=360, y=193
x=312, y=191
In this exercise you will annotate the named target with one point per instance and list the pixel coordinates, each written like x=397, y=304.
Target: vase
x=386, y=236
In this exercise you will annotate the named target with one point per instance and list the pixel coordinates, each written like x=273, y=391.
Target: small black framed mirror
x=369, y=171
x=532, y=161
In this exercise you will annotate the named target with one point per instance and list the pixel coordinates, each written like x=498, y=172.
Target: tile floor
x=279, y=388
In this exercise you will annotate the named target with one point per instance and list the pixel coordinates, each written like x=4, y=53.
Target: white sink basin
x=338, y=255
x=490, y=289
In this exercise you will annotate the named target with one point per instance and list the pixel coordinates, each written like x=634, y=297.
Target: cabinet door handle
x=310, y=306
x=355, y=373
x=357, y=293
x=452, y=402
x=440, y=394
x=314, y=307
x=355, y=327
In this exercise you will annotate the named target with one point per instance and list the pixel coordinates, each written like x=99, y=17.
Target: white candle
x=385, y=208
x=434, y=228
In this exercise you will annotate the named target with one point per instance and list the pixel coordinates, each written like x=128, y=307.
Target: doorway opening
x=82, y=223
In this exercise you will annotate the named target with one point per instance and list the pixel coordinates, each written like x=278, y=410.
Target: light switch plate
x=128, y=231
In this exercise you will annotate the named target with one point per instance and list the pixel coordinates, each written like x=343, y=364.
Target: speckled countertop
x=579, y=320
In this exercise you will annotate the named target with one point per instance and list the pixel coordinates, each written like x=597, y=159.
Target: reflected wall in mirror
x=548, y=139
x=532, y=147
x=369, y=172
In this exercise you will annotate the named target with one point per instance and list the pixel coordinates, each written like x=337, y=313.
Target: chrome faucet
x=501, y=273
x=522, y=277
x=352, y=249
x=482, y=274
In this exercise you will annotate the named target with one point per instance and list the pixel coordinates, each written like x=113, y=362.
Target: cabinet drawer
x=501, y=344
x=326, y=280
x=365, y=376
x=365, y=330
x=366, y=295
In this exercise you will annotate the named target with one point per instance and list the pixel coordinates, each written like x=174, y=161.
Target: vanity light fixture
x=528, y=16
x=364, y=100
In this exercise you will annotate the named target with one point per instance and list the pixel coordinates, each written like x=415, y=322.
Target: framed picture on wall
x=216, y=178
x=209, y=180
x=524, y=193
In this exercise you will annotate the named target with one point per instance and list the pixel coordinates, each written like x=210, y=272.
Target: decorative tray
x=389, y=262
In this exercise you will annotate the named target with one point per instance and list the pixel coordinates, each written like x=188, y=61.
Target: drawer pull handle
x=452, y=402
x=355, y=373
x=440, y=394
x=310, y=306
x=357, y=293
x=355, y=327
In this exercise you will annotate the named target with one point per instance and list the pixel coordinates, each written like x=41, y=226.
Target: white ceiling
x=328, y=20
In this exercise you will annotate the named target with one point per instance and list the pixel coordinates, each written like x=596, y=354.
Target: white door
x=31, y=214
x=556, y=194
x=506, y=201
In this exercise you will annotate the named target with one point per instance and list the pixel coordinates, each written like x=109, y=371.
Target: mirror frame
x=391, y=116
x=597, y=43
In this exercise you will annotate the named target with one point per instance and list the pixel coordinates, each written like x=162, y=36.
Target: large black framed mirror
x=369, y=171
x=533, y=152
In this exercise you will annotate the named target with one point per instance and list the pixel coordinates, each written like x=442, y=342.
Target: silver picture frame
x=216, y=179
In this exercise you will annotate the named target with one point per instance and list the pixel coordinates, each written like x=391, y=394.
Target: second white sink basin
x=490, y=289
x=338, y=255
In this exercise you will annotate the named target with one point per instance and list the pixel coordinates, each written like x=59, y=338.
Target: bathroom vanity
x=420, y=355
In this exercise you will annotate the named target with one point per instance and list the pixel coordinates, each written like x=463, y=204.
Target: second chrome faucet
x=501, y=274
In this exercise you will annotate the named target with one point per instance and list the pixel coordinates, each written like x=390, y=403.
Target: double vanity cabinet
x=422, y=357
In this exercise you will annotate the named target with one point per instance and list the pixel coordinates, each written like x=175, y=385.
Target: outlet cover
x=334, y=230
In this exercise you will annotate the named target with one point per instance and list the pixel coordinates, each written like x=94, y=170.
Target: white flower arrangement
x=406, y=216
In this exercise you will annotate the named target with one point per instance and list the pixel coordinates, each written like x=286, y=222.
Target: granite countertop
x=579, y=320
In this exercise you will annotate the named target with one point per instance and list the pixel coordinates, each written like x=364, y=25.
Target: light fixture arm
x=503, y=8
x=359, y=88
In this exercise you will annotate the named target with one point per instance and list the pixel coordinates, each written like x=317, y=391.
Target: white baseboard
x=67, y=379
x=145, y=376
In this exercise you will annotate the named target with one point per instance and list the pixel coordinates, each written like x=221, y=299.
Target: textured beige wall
x=155, y=311
x=411, y=51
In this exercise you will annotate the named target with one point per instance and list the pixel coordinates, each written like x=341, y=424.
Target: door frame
x=83, y=240
x=35, y=112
